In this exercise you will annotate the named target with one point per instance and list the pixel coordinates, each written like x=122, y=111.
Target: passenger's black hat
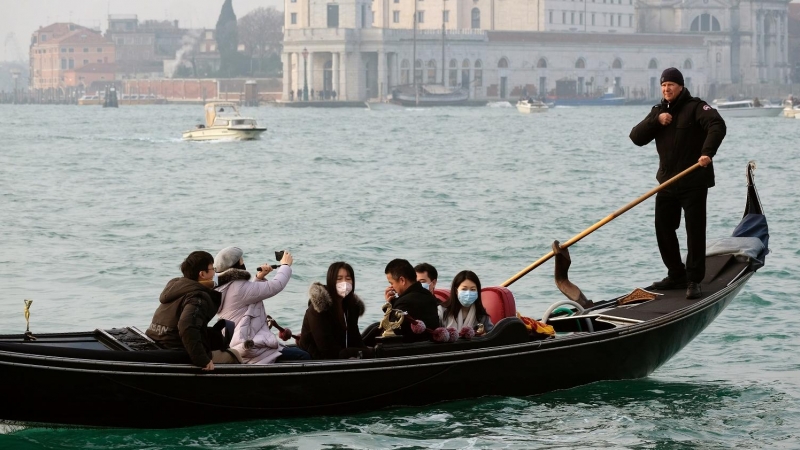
x=672, y=74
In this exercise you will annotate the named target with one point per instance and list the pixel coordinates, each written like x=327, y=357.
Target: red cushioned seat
x=441, y=294
x=499, y=302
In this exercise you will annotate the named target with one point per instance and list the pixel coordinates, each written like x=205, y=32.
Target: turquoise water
x=98, y=207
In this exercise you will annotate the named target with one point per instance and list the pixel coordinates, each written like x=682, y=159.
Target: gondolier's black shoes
x=670, y=283
x=693, y=290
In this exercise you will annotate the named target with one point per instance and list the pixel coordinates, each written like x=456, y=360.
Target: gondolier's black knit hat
x=672, y=74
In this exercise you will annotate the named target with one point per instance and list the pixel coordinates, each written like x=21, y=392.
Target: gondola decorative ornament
x=392, y=320
x=28, y=334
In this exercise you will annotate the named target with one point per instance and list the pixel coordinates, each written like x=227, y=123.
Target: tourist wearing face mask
x=242, y=303
x=330, y=325
x=465, y=308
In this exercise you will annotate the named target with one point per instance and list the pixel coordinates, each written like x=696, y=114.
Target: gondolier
x=687, y=131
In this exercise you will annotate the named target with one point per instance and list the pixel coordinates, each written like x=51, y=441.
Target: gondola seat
x=441, y=294
x=498, y=301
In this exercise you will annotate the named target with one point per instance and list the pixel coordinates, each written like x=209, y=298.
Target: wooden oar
x=599, y=224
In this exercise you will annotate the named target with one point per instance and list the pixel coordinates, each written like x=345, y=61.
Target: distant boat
x=223, y=121
x=607, y=99
x=527, y=106
x=429, y=95
x=748, y=108
x=381, y=106
x=790, y=107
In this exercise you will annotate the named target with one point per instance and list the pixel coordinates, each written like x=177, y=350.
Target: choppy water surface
x=98, y=207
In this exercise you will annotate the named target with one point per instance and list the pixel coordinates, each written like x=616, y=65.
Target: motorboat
x=529, y=105
x=118, y=377
x=791, y=107
x=747, y=108
x=609, y=98
x=223, y=121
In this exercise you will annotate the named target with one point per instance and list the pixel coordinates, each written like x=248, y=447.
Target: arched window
x=405, y=72
x=541, y=64
x=418, y=71
x=476, y=18
x=432, y=71
x=503, y=63
x=705, y=22
x=478, y=73
x=617, y=64
x=453, y=74
x=653, y=64
x=687, y=64
x=580, y=63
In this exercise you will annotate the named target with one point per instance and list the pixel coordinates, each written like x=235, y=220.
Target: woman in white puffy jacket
x=242, y=303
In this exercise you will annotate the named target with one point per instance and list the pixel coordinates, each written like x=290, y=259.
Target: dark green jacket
x=696, y=129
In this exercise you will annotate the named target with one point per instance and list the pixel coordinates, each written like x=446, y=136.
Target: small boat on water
x=747, y=108
x=429, y=95
x=607, y=99
x=529, y=105
x=223, y=121
x=119, y=377
x=791, y=107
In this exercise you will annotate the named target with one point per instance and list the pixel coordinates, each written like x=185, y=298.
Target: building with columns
x=362, y=49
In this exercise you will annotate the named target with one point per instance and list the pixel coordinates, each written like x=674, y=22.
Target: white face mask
x=343, y=288
x=216, y=279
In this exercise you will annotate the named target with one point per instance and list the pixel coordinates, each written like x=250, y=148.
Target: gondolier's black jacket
x=180, y=320
x=696, y=129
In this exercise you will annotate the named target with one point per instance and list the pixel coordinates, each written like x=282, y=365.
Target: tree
x=227, y=39
x=261, y=31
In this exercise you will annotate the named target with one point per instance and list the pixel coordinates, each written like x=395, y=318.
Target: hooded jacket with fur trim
x=242, y=303
x=322, y=335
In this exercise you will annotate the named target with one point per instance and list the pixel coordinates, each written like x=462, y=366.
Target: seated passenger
x=187, y=305
x=242, y=303
x=466, y=309
x=405, y=293
x=330, y=325
x=427, y=275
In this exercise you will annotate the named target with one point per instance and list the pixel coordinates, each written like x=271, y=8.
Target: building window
x=99, y=50
x=71, y=64
x=396, y=16
x=619, y=20
x=71, y=50
x=63, y=63
x=99, y=61
x=44, y=38
x=431, y=71
x=418, y=71
x=446, y=16
x=563, y=17
x=705, y=22
x=333, y=15
x=592, y=18
x=478, y=73
x=687, y=65
x=420, y=16
x=294, y=19
x=630, y=20
x=551, y=16
x=476, y=18
x=453, y=74
x=397, y=1
x=572, y=18
x=653, y=64
x=541, y=64
x=85, y=50
x=581, y=18
x=580, y=63
x=85, y=62
x=405, y=72
x=617, y=64
x=63, y=50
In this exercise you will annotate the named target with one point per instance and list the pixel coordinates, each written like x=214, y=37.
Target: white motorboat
x=223, y=121
x=527, y=106
x=748, y=108
x=790, y=107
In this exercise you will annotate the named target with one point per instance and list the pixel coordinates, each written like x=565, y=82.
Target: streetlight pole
x=305, y=74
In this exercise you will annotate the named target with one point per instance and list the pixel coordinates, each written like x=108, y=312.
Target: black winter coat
x=180, y=320
x=421, y=305
x=696, y=129
x=322, y=335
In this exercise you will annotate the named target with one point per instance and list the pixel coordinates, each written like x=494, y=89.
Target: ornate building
x=498, y=49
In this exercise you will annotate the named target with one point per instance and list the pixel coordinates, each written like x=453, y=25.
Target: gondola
x=119, y=378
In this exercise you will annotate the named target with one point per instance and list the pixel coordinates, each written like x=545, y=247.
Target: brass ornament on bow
x=392, y=320
x=28, y=334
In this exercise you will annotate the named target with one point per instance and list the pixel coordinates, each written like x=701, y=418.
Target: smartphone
x=279, y=255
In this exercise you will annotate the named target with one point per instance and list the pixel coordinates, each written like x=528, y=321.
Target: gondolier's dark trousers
x=669, y=204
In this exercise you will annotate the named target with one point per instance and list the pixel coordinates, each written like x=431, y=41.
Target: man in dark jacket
x=687, y=131
x=410, y=297
x=187, y=305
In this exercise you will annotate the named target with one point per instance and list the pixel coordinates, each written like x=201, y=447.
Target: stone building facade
x=499, y=49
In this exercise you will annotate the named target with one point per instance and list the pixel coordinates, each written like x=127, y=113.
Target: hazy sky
x=23, y=17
